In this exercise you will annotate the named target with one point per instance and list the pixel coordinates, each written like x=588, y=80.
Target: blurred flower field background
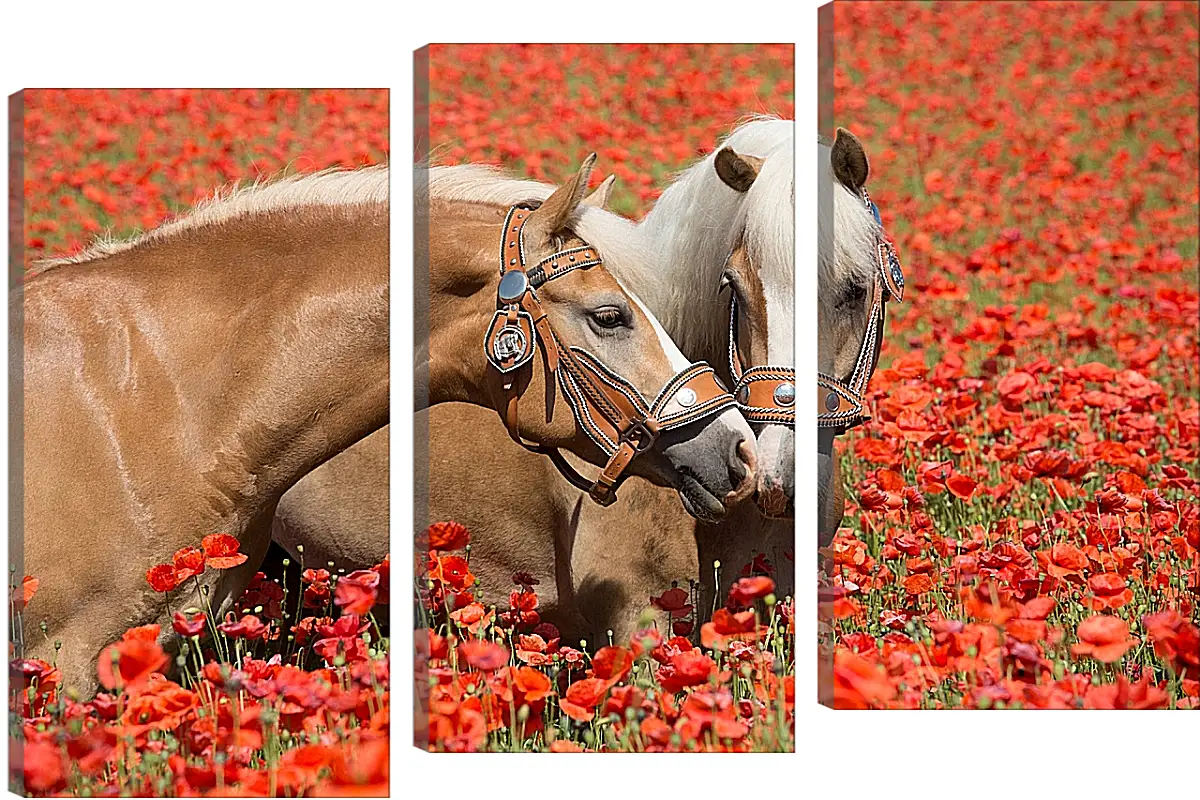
x=647, y=111
x=288, y=695
x=116, y=162
x=499, y=678
x=1023, y=527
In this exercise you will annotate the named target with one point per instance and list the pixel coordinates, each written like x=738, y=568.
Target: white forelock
x=698, y=221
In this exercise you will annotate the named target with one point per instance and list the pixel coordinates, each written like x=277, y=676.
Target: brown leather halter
x=764, y=394
x=609, y=409
x=842, y=405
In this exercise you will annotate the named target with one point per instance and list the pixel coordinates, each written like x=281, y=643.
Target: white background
x=894, y=754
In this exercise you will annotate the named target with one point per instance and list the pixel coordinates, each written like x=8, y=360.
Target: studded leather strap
x=842, y=405
x=764, y=394
x=607, y=407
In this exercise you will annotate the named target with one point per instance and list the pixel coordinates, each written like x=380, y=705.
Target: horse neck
x=451, y=366
x=691, y=232
x=259, y=346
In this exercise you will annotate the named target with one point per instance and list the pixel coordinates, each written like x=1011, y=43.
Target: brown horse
x=177, y=384
x=597, y=566
x=583, y=352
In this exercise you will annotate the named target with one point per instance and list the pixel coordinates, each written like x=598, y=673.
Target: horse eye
x=608, y=317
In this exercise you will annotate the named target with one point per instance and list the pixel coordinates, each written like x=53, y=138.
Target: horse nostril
x=743, y=468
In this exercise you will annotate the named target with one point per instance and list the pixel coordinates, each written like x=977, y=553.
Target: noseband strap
x=764, y=394
x=607, y=407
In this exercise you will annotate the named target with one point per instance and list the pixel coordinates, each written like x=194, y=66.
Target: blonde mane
x=615, y=237
x=698, y=221
x=331, y=188
x=674, y=257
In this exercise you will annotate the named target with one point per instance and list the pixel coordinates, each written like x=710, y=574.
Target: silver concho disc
x=785, y=394
x=685, y=397
x=832, y=402
x=513, y=286
x=510, y=343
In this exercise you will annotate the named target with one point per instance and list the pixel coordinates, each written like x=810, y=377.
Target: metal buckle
x=646, y=436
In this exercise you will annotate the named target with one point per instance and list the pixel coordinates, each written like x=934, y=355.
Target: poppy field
x=1022, y=522
x=492, y=675
x=647, y=111
x=288, y=693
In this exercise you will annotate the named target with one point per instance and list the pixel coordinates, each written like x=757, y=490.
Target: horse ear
x=552, y=216
x=602, y=194
x=849, y=160
x=737, y=171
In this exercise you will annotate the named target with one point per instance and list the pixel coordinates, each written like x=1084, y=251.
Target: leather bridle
x=609, y=409
x=764, y=394
x=842, y=405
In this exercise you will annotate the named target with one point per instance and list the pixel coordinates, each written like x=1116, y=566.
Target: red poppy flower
x=918, y=584
x=472, y=616
x=316, y=595
x=448, y=536
x=1109, y=591
x=1063, y=560
x=453, y=571
x=690, y=668
x=483, y=656
x=347, y=626
x=581, y=698
x=45, y=767
x=961, y=486
x=644, y=640
x=858, y=684
x=145, y=633
x=532, y=683
x=248, y=627
x=1176, y=640
x=875, y=499
x=185, y=627
x=1103, y=638
x=29, y=587
x=565, y=746
x=682, y=627
x=162, y=578
x=129, y=663
x=747, y=590
x=612, y=664
x=1125, y=695
x=356, y=593
x=674, y=601
x=726, y=626
x=221, y=551
x=315, y=576
x=188, y=562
